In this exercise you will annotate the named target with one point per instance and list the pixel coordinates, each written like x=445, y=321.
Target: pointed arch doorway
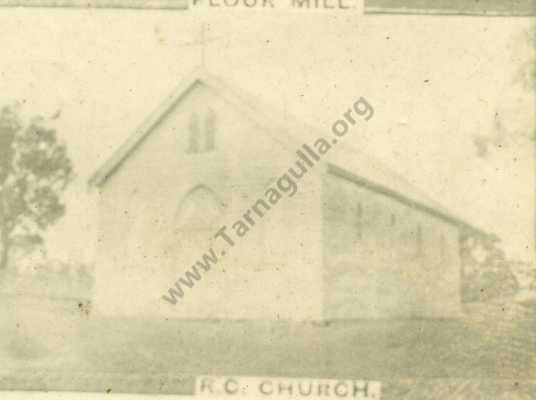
x=198, y=217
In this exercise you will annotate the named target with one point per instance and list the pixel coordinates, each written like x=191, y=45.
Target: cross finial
x=202, y=42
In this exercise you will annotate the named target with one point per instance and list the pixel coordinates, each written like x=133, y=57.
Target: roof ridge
x=272, y=120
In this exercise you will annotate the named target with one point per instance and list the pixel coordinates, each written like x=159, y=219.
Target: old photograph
x=268, y=199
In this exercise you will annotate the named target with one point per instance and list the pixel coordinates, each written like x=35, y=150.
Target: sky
x=436, y=83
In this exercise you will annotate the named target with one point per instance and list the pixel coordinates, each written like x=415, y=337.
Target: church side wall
x=384, y=259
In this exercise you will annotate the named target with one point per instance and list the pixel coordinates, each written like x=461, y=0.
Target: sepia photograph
x=273, y=199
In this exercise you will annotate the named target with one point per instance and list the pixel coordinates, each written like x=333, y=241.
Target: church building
x=355, y=240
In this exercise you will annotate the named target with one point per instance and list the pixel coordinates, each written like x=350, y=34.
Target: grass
x=488, y=344
x=396, y=349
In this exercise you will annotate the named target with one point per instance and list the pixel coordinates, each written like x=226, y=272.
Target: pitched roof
x=348, y=162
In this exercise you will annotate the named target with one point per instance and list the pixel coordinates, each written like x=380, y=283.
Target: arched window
x=210, y=131
x=359, y=221
x=202, y=132
x=442, y=248
x=193, y=134
x=419, y=240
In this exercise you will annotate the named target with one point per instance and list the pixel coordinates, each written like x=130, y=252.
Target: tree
x=34, y=171
x=486, y=270
x=511, y=126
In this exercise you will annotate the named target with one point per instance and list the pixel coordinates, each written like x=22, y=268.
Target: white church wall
x=273, y=272
x=390, y=269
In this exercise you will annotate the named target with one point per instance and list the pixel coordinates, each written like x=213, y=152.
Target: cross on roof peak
x=203, y=40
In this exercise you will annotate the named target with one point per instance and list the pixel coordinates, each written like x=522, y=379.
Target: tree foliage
x=34, y=171
x=511, y=126
x=486, y=271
